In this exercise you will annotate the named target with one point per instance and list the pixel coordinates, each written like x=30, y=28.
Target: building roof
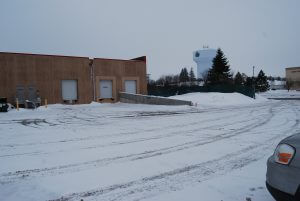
x=138, y=59
x=292, y=68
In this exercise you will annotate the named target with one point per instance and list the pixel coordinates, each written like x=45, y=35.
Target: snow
x=143, y=152
x=237, y=185
x=219, y=99
x=276, y=82
x=281, y=94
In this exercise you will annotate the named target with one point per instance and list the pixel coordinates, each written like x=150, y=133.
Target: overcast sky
x=263, y=33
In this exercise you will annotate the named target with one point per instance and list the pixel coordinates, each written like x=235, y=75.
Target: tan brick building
x=68, y=79
x=293, y=77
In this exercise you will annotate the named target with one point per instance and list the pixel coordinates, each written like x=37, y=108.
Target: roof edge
x=139, y=59
x=49, y=55
x=292, y=67
x=143, y=58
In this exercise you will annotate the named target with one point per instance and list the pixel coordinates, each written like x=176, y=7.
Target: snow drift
x=219, y=99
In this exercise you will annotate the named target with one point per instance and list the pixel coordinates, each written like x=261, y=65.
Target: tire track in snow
x=178, y=178
x=25, y=174
x=173, y=180
x=10, y=146
x=114, y=135
x=156, y=137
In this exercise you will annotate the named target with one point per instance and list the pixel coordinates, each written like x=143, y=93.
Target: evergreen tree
x=161, y=81
x=176, y=79
x=184, y=75
x=270, y=78
x=168, y=80
x=238, y=79
x=219, y=73
x=261, y=82
x=181, y=75
x=192, y=75
x=249, y=81
x=244, y=78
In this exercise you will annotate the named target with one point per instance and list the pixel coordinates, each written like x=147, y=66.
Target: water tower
x=204, y=58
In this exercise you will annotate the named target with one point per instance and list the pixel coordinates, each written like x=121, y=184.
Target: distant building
x=203, y=58
x=276, y=84
x=292, y=75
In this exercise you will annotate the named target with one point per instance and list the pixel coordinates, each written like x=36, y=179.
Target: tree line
x=185, y=77
x=219, y=74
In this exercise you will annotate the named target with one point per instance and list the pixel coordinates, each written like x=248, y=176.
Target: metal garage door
x=32, y=94
x=20, y=94
x=69, y=89
x=130, y=86
x=105, y=87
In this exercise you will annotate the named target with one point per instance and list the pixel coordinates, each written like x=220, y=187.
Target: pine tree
x=184, y=75
x=192, y=75
x=181, y=75
x=238, y=79
x=219, y=73
x=261, y=82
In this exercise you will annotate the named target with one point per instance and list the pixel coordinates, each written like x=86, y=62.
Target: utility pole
x=253, y=84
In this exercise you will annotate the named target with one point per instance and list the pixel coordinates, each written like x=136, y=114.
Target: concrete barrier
x=152, y=100
x=284, y=98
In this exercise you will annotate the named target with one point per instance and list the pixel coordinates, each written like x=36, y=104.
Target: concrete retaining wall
x=152, y=100
x=284, y=98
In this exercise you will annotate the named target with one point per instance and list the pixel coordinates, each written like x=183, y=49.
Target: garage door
x=105, y=87
x=20, y=94
x=130, y=86
x=69, y=89
x=32, y=94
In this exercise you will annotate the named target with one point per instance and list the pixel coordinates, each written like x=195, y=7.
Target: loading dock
x=69, y=90
x=106, y=89
x=130, y=86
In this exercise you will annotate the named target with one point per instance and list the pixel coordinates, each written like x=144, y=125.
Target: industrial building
x=292, y=75
x=69, y=79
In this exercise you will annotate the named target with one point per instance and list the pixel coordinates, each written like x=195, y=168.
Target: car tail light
x=284, y=154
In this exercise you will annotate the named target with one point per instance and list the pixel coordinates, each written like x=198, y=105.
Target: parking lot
x=141, y=152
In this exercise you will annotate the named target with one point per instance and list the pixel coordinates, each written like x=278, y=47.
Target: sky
x=260, y=33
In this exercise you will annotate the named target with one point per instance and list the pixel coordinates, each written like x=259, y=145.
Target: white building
x=276, y=84
x=204, y=58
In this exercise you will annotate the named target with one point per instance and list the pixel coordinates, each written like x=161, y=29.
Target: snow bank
x=219, y=99
x=281, y=94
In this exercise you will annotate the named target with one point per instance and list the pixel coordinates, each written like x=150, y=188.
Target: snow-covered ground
x=142, y=152
x=219, y=99
x=281, y=94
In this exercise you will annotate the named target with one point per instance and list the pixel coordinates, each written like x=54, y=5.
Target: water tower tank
x=203, y=58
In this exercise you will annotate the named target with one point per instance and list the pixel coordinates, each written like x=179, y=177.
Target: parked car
x=283, y=172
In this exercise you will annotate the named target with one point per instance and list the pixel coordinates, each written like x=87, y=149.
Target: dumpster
x=3, y=104
x=30, y=105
